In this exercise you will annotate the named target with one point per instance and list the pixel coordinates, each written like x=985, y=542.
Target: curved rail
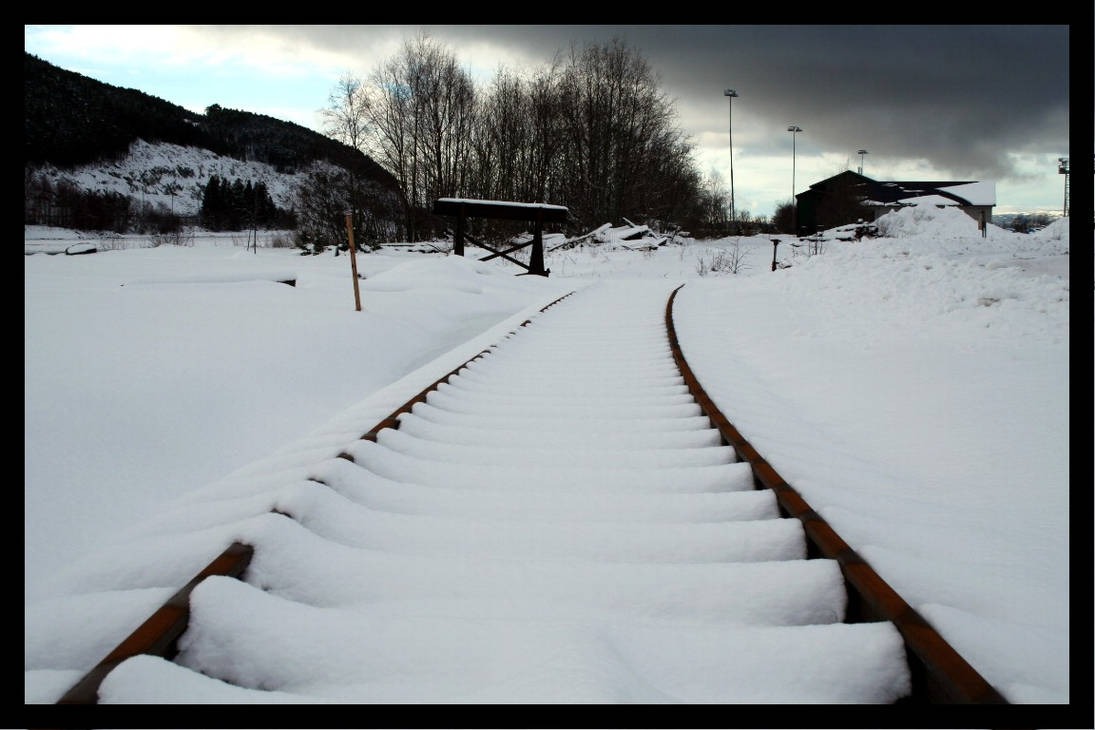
x=158, y=635
x=939, y=673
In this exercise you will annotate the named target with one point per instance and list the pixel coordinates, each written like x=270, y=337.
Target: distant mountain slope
x=171, y=176
x=72, y=120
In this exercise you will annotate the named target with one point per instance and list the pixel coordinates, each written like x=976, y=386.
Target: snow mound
x=1055, y=231
x=927, y=220
x=451, y=272
x=950, y=232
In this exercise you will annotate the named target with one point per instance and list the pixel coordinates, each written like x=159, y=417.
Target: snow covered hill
x=173, y=176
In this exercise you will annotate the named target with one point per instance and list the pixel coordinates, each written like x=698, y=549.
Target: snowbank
x=138, y=389
x=889, y=381
x=434, y=273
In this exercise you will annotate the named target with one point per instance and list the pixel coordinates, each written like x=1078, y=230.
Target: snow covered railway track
x=564, y=518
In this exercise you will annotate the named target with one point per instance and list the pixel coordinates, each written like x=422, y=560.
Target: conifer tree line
x=237, y=205
x=592, y=131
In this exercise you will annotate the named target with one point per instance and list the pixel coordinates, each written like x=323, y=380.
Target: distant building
x=849, y=196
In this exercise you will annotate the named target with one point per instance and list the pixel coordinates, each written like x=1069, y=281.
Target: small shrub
x=730, y=260
x=179, y=237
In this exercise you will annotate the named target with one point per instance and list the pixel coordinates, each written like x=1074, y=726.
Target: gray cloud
x=960, y=98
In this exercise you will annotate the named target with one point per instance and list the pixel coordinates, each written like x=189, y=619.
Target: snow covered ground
x=914, y=388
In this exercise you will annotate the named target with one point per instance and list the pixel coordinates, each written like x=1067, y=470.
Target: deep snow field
x=914, y=388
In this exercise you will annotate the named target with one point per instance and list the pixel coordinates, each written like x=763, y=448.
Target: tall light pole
x=1062, y=168
x=861, y=153
x=793, y=129
x=730, y=94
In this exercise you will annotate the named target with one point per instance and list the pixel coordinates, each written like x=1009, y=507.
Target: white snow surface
x=914, y=388
x=982, y=192
x=534, y=206
x=976, y=193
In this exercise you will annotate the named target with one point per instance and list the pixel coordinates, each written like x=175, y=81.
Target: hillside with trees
x=592, y=131
x=71, y=120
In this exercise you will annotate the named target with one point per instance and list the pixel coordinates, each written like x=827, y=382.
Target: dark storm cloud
x=959, y=97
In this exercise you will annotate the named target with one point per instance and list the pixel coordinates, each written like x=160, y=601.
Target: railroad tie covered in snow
x=558, y=520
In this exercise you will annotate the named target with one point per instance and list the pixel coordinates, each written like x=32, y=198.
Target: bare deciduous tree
x=592, y=131
x=346, y=117
x=420, y=113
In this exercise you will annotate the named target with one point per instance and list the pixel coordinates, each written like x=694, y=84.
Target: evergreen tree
x=211, y=202
x=239, y=205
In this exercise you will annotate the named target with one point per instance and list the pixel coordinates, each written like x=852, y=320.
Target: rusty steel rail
x=159, y=634
x=939, y=673
x=392, y=421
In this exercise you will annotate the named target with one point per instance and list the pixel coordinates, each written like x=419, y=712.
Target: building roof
x=890, y=192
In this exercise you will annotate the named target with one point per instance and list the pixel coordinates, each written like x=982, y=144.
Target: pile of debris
x=849, y=232
x=435, y=246
x=630, y=237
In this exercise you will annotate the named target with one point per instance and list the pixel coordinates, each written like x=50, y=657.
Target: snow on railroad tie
x=337, y=518
x=606, y=438
x=604, y=421
x=602, y=476
x=382, y=494
x=557, y=523
x=547, y=457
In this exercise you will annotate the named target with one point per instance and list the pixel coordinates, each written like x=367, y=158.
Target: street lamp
x=1062, y=168
x=861, y=153
x=730, y=94
x=793, y=129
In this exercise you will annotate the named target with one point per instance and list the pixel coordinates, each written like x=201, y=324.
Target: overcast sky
x=926, y=102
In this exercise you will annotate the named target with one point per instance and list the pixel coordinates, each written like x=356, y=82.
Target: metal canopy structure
x=537, y=213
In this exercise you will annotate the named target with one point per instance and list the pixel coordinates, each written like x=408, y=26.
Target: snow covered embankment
x=890, y=381
x=137, y=396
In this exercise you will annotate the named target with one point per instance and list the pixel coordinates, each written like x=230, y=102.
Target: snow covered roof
x=977, y=198
x=949, y=193
x=928, y=200
x=509, y=203
x=977, y=193
x=888, y=193
x=504, y=209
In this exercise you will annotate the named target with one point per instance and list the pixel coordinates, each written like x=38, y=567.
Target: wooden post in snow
x=458, y=235
x=536, y=257
x=353, y=260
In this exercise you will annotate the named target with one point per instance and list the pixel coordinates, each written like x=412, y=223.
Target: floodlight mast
x=1062, y=168
x=730, y=94
x=793, y=129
